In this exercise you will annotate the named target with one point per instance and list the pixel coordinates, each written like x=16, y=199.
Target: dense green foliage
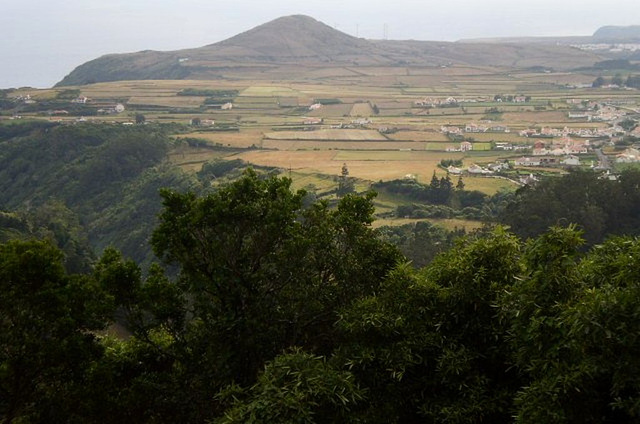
x=103, y=181
x=251, y=290
x=291, y=313
x=86, y=160
x=47, y=344
x=442, y=199
x=421, y=242
x=633, y=81
x=24, y=128
x=273, y=306
x=331, y=101
x=54, y=222
x=439, y=191
x=600, y=206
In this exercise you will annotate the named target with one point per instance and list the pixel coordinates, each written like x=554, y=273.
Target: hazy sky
x=43, y=40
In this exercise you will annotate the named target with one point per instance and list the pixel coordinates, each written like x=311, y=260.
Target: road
x=603, y=160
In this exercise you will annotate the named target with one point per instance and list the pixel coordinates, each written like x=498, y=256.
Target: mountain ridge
x=612, y=32
x=299, y=41
x=608, y=33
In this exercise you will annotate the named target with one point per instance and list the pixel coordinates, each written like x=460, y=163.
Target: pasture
x=328, y=135
x=266, y=125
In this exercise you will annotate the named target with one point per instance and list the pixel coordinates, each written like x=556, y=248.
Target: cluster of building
x=566, y=146
x=473, y=128
x=512, y=99
x=202, y=122
x=465, y=146
x=575, y=132
x=26, y=99
x=111, y=109
x=569, y=160
x=608, y=47
x=431, y=102
x=81, y=100
x=476, y=169
x=357, y=123
x=312, y=121
x=598, y=112
x=630, y=155
x=449, y=101
x=503, y=145
x=445, y=129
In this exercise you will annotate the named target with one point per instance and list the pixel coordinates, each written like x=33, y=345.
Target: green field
x=402, y=139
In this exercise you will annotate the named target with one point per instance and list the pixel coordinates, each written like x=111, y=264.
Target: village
x=518, y=137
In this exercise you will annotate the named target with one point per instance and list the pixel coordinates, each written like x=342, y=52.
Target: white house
x=537, y=151
x=499, y=128
x=571, y=160
x=361, y=121
x=529, y=179
x=628, y=156
x=526, y=161
x=465, y=146
x=450, y=130
x=503, y=146
x=498, y=166
x=473, y=128
x=312, y=121
x=453, y=170
x=476, y=169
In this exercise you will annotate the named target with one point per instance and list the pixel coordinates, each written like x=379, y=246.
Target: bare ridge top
x=294, y=36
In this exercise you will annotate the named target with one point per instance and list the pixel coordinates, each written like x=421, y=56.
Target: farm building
x=477, y=169
x=526, y=161
x=465, y=146
x=628, y=156
x=571, y=160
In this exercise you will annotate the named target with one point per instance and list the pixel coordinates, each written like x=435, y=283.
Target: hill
x=97, y=182
x=291, y=37
x=291, y=44
x=625, y=33
x=603, y=34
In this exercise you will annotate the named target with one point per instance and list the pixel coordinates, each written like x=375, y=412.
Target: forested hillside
x=99, y=183
x=291, y=313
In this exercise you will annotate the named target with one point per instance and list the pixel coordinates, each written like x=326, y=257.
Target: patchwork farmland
x=383, y=123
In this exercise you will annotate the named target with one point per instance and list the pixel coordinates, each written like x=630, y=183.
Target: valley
x=384, y=123
x=297, y=96
x=299, y=225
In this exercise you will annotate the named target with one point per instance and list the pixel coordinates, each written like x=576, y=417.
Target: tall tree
x=47, y=341
x=259, y=274
x=429, y=347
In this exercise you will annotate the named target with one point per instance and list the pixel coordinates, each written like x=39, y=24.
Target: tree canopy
x=600, y=206
x=289, y=311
